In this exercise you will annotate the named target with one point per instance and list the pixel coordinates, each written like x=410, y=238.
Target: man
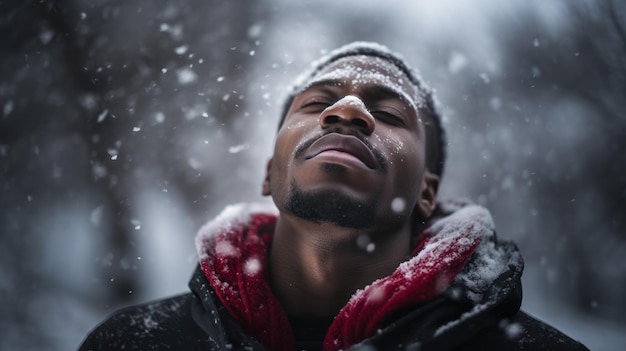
x=357, y=253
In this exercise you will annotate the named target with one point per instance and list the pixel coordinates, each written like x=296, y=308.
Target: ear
x=428, y=194
x=267, y=190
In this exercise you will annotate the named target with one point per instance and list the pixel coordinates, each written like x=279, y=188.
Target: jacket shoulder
x=161, y=324
x=523, y=332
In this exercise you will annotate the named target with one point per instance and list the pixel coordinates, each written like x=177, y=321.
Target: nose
x=349, y=111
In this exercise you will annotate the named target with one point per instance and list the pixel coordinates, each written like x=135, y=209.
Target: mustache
x=380, y=158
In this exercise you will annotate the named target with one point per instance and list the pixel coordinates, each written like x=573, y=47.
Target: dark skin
x=372, y=152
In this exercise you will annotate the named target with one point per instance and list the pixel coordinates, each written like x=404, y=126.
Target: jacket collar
x=486, y=287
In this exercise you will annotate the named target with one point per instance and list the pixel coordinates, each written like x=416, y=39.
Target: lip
x=343, y=143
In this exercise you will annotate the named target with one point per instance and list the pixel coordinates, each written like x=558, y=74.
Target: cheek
x=400, y=151
x=292, y=134
x=395, y=147
x=288, y=140
x=406, y=165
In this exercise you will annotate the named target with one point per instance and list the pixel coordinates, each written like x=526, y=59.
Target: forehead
x=364, y=71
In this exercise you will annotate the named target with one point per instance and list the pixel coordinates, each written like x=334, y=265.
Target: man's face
x=351, y=150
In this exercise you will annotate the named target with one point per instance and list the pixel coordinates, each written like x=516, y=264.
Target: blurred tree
x=141, y=90
x=576, y=76
x=100, y=101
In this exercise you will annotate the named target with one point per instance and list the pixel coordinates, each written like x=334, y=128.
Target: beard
x=330, y=206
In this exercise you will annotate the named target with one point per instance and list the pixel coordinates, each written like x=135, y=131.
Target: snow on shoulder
x=231, y=217
x=490, y=261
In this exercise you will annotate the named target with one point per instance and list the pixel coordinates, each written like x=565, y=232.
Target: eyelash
x=317, y=103
x=312, y=103
x=388, y=117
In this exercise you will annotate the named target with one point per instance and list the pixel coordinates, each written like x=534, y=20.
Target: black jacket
x=198, y=321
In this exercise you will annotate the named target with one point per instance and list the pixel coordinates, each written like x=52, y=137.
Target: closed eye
x=389, y=117
x=315, y=105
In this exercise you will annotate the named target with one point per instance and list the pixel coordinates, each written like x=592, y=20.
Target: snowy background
x=124, y=125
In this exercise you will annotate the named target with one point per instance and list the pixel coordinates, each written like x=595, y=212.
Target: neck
x=316, y=267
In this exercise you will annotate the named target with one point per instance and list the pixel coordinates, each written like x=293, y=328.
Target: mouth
x=342, y=146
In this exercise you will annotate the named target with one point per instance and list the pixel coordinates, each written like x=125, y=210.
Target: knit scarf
x=233, y=251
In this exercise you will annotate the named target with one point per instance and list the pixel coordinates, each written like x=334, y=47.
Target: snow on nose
x=352, y=101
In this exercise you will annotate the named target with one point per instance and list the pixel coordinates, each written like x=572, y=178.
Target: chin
x=331, y=206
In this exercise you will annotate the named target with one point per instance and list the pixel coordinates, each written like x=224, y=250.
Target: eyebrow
x=320, y=84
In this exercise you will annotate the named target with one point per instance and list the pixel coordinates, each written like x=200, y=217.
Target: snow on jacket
x=460, y=291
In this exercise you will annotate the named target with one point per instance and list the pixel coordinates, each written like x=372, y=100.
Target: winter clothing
x=460, y=290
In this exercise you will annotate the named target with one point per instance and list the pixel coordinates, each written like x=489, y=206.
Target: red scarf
x=233, y=255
